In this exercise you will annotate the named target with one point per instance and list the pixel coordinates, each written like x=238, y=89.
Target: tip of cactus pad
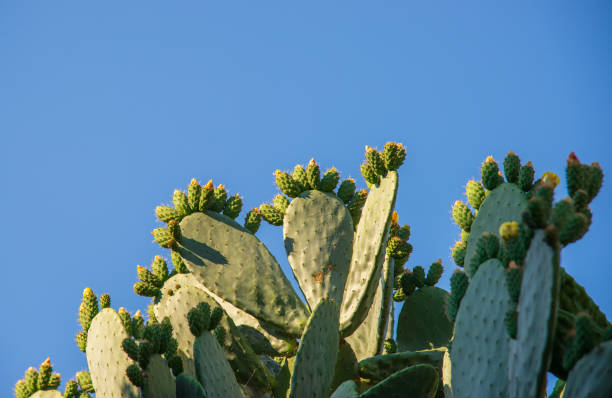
x=489, y=159
x=551, y=178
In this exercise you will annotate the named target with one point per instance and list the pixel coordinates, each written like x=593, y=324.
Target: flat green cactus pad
x=213, y=370
x=318, y=236
x=47, y=394
x=592, y=375
x=380, y=367
x=188, y=387
x=248, y=367
x=347, y=367
x=348, y=389
x=479, y=352
x=504, y=203
x=232, y=263
x=369, y=338
x=160, y=382
x=537, y=310
x=106, y=360
x=316, y=356
x=418, y=381
x=281, y=344
x=422, y=323
x=368, y=253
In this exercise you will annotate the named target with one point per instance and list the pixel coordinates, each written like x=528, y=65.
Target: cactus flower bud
x=313, y=174
x=509, y=230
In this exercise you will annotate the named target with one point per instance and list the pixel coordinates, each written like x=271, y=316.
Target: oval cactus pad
x=318, y=236
x=235, y=265
x=368, y=253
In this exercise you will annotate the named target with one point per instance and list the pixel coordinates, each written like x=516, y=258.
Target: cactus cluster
x=226, y=321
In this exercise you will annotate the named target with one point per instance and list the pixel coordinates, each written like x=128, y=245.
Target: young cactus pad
x=592, y=374
x=235, y=265
x=107, y=361
x=537, y=309
x=160, y=381
x=212, y=369
x=368, y=253
x=318, y=236
x=480, y=347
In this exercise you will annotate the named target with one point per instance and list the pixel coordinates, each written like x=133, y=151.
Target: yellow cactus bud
x=209, y=185
x=394, y=218
x=122, y=310
x=194, y=182
x=88, y=292
x=138, y=314
x=551, y=178
x=509, y=230
x=489, y=159
x=312, y=162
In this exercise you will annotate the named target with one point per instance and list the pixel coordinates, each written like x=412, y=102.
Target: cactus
x=225, y=322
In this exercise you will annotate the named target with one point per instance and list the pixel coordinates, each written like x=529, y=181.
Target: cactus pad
x=418, y=381
x=235, y=265
x=368, y=253
x=213, y=371
x=160, y=382
x=348, y=389
x=316, y=357
x=422, y=323
x=504, y=203
x=537, y=308
x=106, y=360
x=592, y=374
x=380, y=367
x=479, y=352
x=318, y=235
x=188, y=387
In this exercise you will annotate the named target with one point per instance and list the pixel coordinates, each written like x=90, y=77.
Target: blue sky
x=107, y=107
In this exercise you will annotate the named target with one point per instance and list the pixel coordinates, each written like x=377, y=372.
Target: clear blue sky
x=107, y=107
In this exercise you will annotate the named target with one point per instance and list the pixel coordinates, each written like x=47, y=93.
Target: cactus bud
x=390, y=346
x=88, y=309
x=179, y=199
x=508, y=230
x=462, y=216
x=176, y=364
x=393, y=155
x=166, y=213
x=551, y=178
x=233, y=207
x=164, y=238
x=84, y=379
x=105, y=301
x=434, y=273
x=135, y=375
x=287, y=184
x=193, y=195
x=147, y=277
x=72, y=388
x=489, y=174
x=44, y=374
x=195, y=320
x=54, y=381
x=252, y=221
x=31, y=380
x=408, y=283
x=130, y=347
x=419, y=276
x=220, y=335
x=514, y=276
x=313, y=175
x=178, y=263
x=346, y=190
x=146, y=289
x=271, y=214
x=487, y=246
x=356, y=203
x=215, y=317
x=459, y=284
x=475, y=193
x=573, y=174
x=594, y=180
x=280, y=202
x=512, y=166
x=368, y=173
x=526, y=175
x=299, y=176
x=204, y=309
x=137, y=325
x=375, y=159
x=160, y=269
x=207, y=196
x=575, y=228
x=126, y=320
x=81, y=340
x=220, y=197
x=330, y=180
x=458, y=252
x=21, y=390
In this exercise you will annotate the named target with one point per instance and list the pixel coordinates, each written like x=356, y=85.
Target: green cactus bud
x=84, y=379
x=562, y=212
x=574, y=229
x=176, y=364
x=126, y=320
x=594, y=180
x=280, y=202
x=586, y=337
x=44, y=375
x=394, y=155
x=31, y=380
x=546, y=191
x=138, y=325
x=390, y=346
x=252, y=221
x=313, y=174
x=88, y=309
x=147, y=277
x=54, y=381
x=72, y=389
x=166, y=213
x=514, y=276
x=164, y=238
x=525, y=181
x=207, y=196
x=172, y=347
x=464, y=236
x=404, y=232
x=409, y=283
x=330, y=180
x=145, y=351
x=220, y=197
x=514, y=250
x=489, y=174
x=220, y=335
x=105, y=301
x=178, y=263
x=580, y=199
x=368, y=173
x=233, y=207
x=459, y=283
x=462, y=216
x=475, y=193
x=84, y=395
x=160, y=269
x=419, y=276
x=434, y=273
x=204, y=309
x=347, y=190
x=165, y=335
x=21, y=389
x=271, y=214
x=175, y=230
x=375, y=159
x=135, y=375
x=287, y=184
x=356, y=203
x=537, y=213
x=299, y=176
x=179, y=199
x=512, y=167
x=146, y=289
x=193, y=195
x=195, y=320
x=130, y=347
x=487, y=246
x=458, y=252
x=215, y=317
x=393, y=245
x=509, y=230
x=511, y=322
x=81, y=340
x=152, y=333
x=573, y=174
